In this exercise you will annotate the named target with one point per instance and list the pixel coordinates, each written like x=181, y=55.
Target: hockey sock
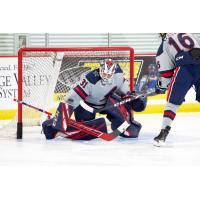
x=169, y=114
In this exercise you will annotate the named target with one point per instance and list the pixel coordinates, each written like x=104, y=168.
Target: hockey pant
x=186, y=75
x=183, y=79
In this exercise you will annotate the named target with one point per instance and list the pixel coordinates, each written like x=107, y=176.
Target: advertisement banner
x=145, y=78
x=8, y=82
x=146, y=73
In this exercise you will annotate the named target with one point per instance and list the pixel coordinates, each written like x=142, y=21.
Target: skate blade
x=159, y=144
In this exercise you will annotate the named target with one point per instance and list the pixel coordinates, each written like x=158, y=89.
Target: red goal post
x=35, y=59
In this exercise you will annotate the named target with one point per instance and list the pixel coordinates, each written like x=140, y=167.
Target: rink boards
x=8, y=89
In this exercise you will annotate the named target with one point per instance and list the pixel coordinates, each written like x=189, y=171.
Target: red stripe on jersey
x=172, y=83
x=80, y=92
x=167, y=74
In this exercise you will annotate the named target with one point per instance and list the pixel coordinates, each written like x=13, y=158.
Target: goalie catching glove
x=138, y=102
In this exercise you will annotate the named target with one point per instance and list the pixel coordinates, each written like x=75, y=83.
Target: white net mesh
x=48, y=76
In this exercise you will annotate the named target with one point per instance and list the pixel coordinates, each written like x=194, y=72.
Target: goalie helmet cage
x=76, y=60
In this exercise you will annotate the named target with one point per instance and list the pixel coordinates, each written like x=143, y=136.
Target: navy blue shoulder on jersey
x=93, y=76
x=118, y=69
x=160, y=49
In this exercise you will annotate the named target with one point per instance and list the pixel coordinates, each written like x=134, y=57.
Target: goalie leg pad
x=57, y=123
x=99, y=124
x=48, y=130
x=116, y=115
x=61, y=117
x=133, y=130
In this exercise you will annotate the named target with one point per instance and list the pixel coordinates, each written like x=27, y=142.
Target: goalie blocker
x=120, y=117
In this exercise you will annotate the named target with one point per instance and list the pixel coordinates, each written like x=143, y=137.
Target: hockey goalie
x=100, y=91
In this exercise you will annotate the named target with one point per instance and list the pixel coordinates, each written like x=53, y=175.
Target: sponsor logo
x=179, y=58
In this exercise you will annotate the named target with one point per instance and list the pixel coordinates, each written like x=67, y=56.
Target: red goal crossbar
x=74, y=49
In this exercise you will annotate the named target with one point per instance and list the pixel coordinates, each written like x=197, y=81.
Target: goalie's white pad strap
x=123, y=127
x=86, y=107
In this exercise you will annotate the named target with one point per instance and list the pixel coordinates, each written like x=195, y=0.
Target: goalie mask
x=107, y=71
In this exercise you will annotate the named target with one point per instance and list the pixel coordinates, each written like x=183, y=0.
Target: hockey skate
x=160, y=139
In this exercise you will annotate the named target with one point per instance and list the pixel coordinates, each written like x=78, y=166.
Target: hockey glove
x=139, y=104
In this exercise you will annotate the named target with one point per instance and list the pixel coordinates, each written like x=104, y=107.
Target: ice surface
x=183, y=147
x=128, y=169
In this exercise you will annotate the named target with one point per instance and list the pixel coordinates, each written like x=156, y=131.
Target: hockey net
x=45, y=75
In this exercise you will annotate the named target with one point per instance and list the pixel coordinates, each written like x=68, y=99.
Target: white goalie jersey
x=94, y=92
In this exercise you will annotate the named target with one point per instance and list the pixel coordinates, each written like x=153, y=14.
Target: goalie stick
x=80, y=126
x=87, y=129
x=128, y=99
x=38, y=109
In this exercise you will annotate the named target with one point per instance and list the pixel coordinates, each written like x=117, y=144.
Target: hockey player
x=178, y=60
x=97, y=90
